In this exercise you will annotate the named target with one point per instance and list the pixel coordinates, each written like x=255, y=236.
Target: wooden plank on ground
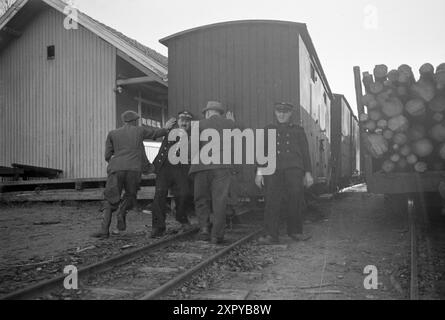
x=65, y=181
x=10, y=172
x=146, y=193
x=33, y=171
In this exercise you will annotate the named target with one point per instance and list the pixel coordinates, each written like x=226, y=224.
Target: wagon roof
x=154, y=61
x=342, y=96
x=301, y=27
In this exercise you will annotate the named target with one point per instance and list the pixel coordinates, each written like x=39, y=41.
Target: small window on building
x=313, y=74
x=325, y=98
x=51, y=52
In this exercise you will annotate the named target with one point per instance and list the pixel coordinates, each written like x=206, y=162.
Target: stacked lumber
x=404, y=118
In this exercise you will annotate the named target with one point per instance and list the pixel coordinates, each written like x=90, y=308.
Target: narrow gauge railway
x=143, y=273
x=427, y=259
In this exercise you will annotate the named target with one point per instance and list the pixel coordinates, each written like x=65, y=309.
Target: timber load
x=404, y=118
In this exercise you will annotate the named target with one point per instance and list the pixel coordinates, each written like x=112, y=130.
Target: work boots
x=204, y=234
x=185, y=227
x=157, y=233
x=105, y=226
x=121, y=221
x=300, y=236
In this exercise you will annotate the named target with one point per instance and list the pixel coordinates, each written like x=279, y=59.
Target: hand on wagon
x=170, y=123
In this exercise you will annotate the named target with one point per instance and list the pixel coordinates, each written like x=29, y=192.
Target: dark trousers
x=170, y=176
x=116, y=182
x=122, y=180
x=234, y=194
x=284, y=186
x=211, y=196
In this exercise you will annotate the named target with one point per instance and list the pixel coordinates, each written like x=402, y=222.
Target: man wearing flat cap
x=212, y=181
x=171, y=176
x=125, y=161
x=292, y=174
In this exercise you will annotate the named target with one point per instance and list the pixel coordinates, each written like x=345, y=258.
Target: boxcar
x=345, y=145
x=249, y=65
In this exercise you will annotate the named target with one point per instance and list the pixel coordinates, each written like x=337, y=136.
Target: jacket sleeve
x=305, y=151
x=145, y=161
x=154, y=133
x=266, y=146
x=109, y=150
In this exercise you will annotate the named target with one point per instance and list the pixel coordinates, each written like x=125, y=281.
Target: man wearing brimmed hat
x=212, y=181
x=171, y=176
x=125, y=162
x=292, y=174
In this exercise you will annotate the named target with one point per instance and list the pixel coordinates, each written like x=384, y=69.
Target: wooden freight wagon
x=248, y=66
x=345, y=145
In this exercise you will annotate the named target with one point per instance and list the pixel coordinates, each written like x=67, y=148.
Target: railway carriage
x=248, y=66
x=345, y=159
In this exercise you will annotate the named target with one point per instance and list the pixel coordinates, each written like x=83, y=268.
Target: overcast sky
x=345, y=32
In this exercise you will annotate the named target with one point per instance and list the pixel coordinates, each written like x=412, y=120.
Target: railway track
x=413, y=229
x=427, y=253
x=148, y=272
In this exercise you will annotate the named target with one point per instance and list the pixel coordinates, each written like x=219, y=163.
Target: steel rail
x=46, y=286
x=414, y=281
x=184, y=277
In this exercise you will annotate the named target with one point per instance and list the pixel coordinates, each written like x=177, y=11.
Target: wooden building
x=249, y=65
x=62, y=89
x=345, y=144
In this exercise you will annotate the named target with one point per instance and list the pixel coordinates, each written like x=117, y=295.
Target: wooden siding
x=315, y=114
x=345, y=144
x=247, y=67
x=56, y=113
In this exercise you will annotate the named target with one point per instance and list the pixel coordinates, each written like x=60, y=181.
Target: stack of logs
x=404, y=118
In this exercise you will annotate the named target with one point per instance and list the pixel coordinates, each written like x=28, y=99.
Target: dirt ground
x=39, y=240
x=46, y=230
x=356, y=232
x=351, y=232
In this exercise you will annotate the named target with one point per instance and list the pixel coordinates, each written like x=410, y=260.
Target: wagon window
x=51, y=52
x=346, y=118
x=313, y=75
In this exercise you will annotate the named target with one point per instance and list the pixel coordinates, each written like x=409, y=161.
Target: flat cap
x=284, y=106
x=214, y=105
x=129, y=116
x=185, y=114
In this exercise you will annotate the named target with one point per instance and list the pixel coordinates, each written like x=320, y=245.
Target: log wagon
x=403, y=134
x=398, y=126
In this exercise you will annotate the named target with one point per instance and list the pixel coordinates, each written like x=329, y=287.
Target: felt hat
x=214, y=105
x=129, y=116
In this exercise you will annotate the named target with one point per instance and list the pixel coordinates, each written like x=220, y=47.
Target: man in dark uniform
x=168, y=176
x=125, y=161
x=212, y=181
x=292, y=174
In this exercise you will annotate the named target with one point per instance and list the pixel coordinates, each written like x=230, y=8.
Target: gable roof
x=301, y=27
x=149, y=58
x=340, y=96
x=163, y=60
